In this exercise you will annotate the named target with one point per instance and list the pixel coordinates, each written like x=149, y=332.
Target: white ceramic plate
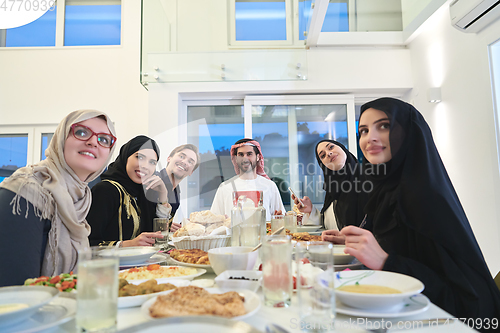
x=199, y=271
x=252, y=303
x=33, y=297
x=132, y=255
x=155, y=259
x=131, y=301
x=180, y=263
x=308, y=228
x=191, y=324
x=57, y=312
x=410, y=306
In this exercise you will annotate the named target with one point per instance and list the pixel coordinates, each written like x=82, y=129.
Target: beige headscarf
x=59, y=195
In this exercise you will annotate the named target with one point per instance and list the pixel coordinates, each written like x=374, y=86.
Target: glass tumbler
x=277, y=271
x=97, y=296
x=314, y=283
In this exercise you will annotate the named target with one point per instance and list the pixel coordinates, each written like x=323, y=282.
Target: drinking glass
x=97, y=296
x=277, y=270
x=314, y=284
x=291, y=221
x=277, y=221
x=161, y=224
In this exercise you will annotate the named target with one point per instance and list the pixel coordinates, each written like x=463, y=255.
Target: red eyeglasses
x=84, y=133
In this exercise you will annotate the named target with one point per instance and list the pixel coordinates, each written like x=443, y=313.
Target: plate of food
x=160, y=273
x=65, y=282
x=195, y=258
x=199, y=301
x=132, y=294
x=155, y=259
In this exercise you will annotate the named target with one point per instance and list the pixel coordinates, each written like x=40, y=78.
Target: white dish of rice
x=160, y=273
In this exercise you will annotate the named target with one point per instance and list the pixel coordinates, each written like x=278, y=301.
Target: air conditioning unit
x=473, y=15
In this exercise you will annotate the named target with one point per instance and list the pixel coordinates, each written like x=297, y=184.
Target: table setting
x=271, y=285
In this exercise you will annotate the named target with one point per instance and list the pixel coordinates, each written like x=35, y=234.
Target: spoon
x=274, y=233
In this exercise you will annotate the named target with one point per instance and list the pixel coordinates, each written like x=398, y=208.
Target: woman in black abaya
x=120, y=213
x=418, y=226
x=343, y=186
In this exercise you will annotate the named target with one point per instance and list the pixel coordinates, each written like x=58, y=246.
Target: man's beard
x=247, y=167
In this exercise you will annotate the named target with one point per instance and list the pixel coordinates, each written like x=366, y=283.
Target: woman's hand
x=333, y=236
x=144, y=239
x=175, y=226
x=306, y=201
x=156, y=184
x=361, y=244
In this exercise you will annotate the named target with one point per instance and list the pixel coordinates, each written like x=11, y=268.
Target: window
x=41, y=32
x=90, y=24
x=21, y=146
x=46, y=137
x=287, y=129
x=213, y=129
x=262, y=22
x=336, y=18
x=494, y=49
x=82, y=23
x=13, y=153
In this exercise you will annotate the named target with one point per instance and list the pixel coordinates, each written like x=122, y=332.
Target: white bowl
x=252, y=282
x=339, y=257
x=232, y=258
x=32, y=297
x=407, y=285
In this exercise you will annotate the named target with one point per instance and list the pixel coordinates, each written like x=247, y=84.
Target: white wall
x=463, y=123
x=42, y=85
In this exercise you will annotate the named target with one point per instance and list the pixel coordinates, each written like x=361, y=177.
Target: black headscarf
x=117, y=172
x=415, y=186
x=340, y=187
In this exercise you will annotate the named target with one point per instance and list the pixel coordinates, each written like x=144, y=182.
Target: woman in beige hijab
x=43, y=206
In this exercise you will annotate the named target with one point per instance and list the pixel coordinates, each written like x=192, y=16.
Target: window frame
x=34, y=138
x=250, y=100
x=292, y=29
x=60, y=27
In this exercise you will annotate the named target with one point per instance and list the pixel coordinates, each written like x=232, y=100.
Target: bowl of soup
x=375, y=289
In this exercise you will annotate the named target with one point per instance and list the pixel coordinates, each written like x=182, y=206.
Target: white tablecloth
x=289, y=319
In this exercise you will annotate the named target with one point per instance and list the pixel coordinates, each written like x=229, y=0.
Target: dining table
x=289, y=319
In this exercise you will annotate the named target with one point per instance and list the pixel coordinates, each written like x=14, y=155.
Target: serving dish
x=252, y=303
x=252, y=280
x=199, y=271
x=132, y=301
x=172, y=261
